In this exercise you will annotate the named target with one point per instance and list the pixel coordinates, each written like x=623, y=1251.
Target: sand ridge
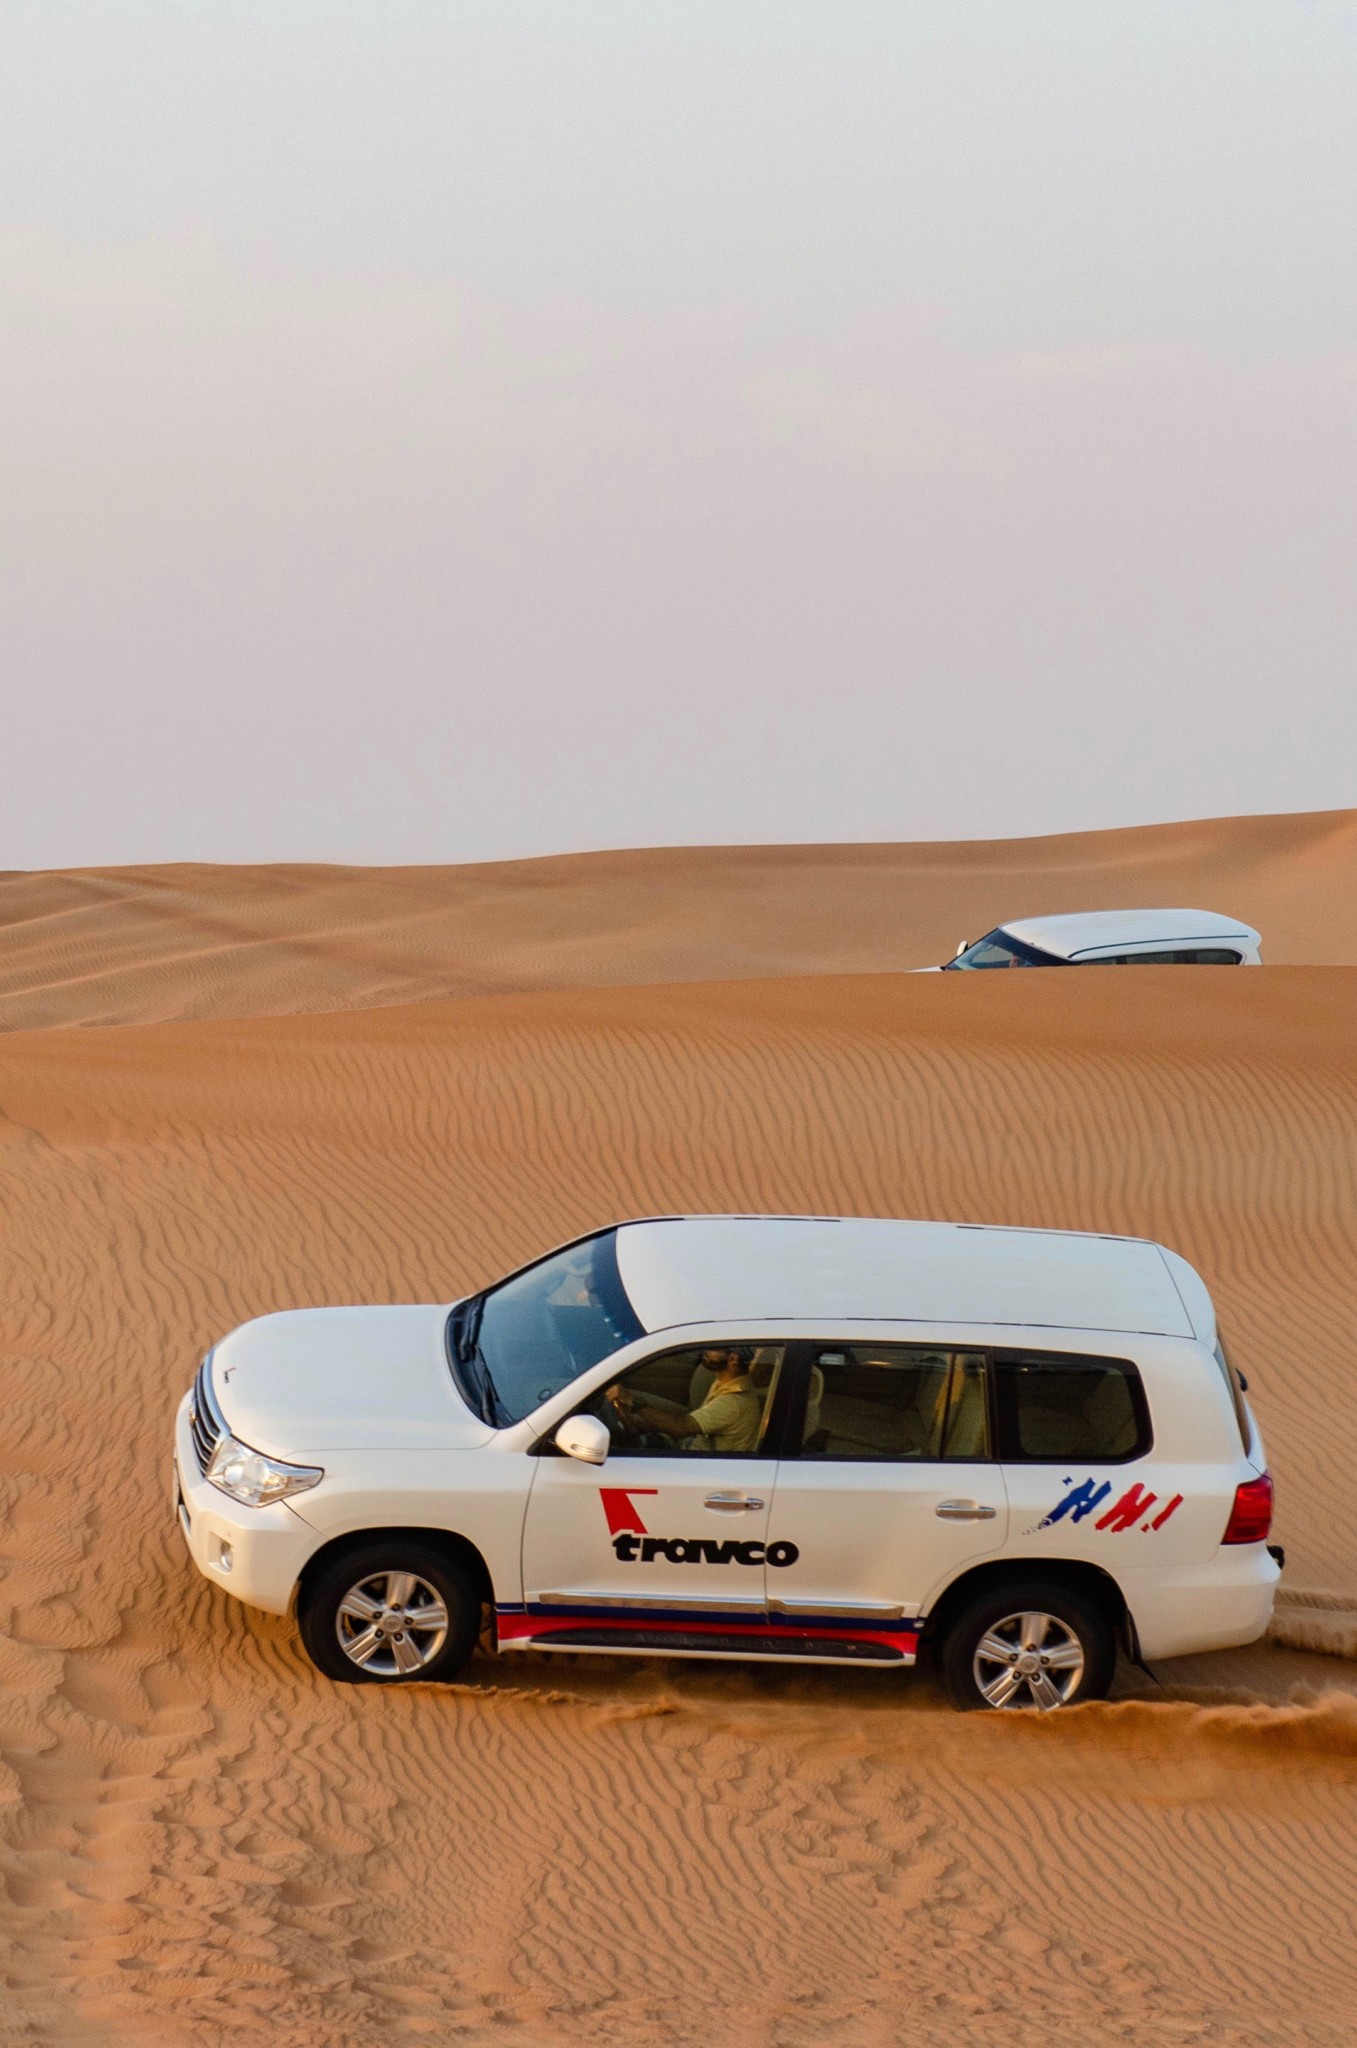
x=125, y=945
x=200, y=1842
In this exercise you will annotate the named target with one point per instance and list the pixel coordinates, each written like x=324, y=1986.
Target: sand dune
x=202, y=1843
x=128, y=945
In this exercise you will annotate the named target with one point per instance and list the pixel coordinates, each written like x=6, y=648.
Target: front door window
x=711, y=1401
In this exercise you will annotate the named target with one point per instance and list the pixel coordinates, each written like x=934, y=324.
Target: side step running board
x=841, y=1649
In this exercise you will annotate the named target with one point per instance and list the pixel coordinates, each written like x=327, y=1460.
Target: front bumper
x=255, y=1553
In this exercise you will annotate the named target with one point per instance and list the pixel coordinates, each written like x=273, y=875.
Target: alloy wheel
x=392, y=1624
x=1028, y=1660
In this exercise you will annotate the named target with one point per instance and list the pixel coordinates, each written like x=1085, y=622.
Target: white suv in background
x=813, y=1439
x=1114, y=938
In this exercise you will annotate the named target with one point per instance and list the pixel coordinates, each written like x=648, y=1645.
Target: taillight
x=1251, y=1516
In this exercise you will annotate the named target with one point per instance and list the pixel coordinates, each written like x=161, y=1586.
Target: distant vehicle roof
x=1086, y=930
x=703, y=1269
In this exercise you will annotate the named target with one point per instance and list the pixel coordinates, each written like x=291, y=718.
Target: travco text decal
x=632, y=1541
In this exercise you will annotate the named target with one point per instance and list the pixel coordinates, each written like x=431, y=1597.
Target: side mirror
x=961, y=949
x=584, y=1437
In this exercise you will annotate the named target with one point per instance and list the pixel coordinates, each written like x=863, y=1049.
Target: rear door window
x=1054, y=1408
x=883, y=1402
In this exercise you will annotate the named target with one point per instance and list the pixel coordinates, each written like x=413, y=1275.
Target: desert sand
x=315, y=1085
x=134, y=945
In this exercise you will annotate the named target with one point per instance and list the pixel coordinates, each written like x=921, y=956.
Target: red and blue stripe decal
x=533, y=1623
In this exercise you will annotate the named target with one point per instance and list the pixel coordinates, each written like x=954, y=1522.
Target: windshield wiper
x=464, y=1325
x=498, y=1414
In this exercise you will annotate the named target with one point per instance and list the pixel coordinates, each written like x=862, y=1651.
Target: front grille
x=205, y=1421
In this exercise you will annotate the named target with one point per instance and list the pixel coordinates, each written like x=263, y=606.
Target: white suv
x=814, y=1439
x=1113, y=938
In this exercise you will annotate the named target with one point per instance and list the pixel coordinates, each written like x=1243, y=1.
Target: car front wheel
x=388, y=1614
x=1042, y=1646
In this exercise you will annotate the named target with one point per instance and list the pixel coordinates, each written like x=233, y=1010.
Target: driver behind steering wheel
x=727, y=1419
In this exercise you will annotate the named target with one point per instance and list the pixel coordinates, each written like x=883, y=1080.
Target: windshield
x=998, y=949
x=516, y=1345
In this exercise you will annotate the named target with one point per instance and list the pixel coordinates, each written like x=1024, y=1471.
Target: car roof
x=1082, y=930
x=788, y=1269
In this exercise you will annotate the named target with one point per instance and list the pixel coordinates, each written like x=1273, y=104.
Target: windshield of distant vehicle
x=999, y=949
x=517, y=1344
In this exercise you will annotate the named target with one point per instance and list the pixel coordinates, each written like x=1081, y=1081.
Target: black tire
x=1071, y=1618
x=410, y=1646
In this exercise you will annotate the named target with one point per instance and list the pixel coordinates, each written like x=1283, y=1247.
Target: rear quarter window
x=1055, y=1407
x=1234, y=1388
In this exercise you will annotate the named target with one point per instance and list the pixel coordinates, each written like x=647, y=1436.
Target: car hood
x=329, y=1379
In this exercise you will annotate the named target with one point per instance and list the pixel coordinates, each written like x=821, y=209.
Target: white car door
x=892, y=1491
x=663, y=1546
x=1084, y=1479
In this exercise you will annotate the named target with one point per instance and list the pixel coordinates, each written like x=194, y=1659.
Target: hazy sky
x=442, y=429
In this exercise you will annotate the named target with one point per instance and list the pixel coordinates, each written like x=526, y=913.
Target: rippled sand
x=203, y=1843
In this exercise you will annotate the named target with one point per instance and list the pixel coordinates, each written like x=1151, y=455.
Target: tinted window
x=889, y=1401
x=1062, y=1409
x=524, y=1340
x=1195, y=956
x=706, y=1401
x=1234, y=1388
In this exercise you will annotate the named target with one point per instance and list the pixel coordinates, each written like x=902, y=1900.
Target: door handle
x=731, y=1503
x=964, y=1511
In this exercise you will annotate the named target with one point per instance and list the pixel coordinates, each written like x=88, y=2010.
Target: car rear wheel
x=1025, y=1646
x=389, y=1614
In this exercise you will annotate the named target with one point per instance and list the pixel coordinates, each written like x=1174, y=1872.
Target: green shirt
x=729, y=1418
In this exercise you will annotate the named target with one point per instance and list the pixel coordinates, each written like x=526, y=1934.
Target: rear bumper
x=1221, y=1606
x=255, y=1553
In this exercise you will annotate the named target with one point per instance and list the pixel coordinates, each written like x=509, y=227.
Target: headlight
x=250, y=1477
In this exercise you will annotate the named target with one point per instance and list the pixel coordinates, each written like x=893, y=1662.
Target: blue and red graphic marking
x=1130, y=1512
